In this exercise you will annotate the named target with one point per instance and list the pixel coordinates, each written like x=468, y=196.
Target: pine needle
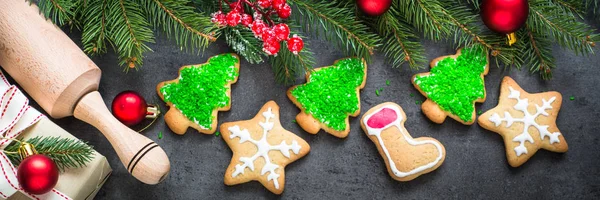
x=65, y=152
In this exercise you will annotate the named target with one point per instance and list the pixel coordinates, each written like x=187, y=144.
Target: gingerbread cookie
x=453, y=85
x=329, y=96
x=199, y=93
x=406, y=157
x=527, y=122
x=261, y=149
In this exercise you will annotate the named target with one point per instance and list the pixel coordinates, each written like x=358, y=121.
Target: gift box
x=21, y=121
x=76, y=183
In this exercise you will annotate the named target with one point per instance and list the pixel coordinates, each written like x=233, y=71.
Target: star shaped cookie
x=261, y=149
x=527, y=122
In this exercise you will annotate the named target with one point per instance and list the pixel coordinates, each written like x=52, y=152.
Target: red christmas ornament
x=374, y=7
x=37, y=174
x=505, y=16
x=129, y=107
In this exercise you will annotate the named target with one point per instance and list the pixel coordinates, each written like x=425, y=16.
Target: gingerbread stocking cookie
x=453, y=85
x=527, y=122
x=330, y=95
x=199, y=92
x=261, y=149
x=406, y=157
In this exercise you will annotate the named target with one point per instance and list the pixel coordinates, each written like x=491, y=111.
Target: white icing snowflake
x=263, y=149
x=528, y=120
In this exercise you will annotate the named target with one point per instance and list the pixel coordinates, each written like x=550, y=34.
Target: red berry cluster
x=266, y=29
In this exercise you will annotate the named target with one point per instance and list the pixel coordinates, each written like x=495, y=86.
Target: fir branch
x=547, y=19
x=398, y=44
x=537, y=50
x=570, y=7
x=181, y=22
x=426, y=16
x=474, y=3
x=593, y=7
x=61, y=12
x=94, y=35
x=338, y=24
x=287, y=66
x=207, y=6
x=243, y=42
x=466, y=31
x=129, y=31
x=65, y=152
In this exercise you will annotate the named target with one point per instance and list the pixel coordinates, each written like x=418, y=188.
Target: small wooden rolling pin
x=64, y=81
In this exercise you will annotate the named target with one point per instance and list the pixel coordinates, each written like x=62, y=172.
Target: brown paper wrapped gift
x=77, y=183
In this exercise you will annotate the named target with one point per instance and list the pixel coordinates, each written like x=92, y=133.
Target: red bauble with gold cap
x=37, y=174
x=374, y=7
x=504, y=16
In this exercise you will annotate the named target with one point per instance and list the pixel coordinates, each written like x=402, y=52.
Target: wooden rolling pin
x=64, y=81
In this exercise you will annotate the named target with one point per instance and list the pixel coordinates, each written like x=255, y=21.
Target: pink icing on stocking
x=382, y=118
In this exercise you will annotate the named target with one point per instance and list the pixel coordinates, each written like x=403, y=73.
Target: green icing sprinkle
x=572, y=98
x=160, y=135
x=217, y=134
x=417, y=102
x=294, y=121
x=387, y=82
x=412, y=95
x=479, y=112
x=454, y=84
x=201, y=89
x=330, y=94
x=377, y=92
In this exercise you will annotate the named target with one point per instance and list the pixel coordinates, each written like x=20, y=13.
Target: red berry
x=282, y=31
x=235, y=7
x=233, y=18
x=264, y=3
x=271, y=47
x=218, y=18
x=268, y=35
x=295, y=44
x=257, y=28
x=278, y=3
x=246, y=19
x=284, y=11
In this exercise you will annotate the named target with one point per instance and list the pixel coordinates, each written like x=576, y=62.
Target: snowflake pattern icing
x=263, y=149
x=528, y=120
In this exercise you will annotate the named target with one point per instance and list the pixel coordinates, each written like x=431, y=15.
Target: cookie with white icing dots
x=406, y=157
x=199, y=92
x=527, y=122
x=453, y=85
x=261, y=149
x=330, y=95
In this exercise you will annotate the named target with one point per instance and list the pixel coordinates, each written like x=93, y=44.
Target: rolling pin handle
x=143, y=158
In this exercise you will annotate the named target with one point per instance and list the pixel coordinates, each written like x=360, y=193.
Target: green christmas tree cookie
x=453, y=85
x=199, y=93
x=329, y=96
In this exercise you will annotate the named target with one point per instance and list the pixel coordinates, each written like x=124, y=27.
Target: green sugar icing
x=201, y=89
x=454, y=84
x=330, y=94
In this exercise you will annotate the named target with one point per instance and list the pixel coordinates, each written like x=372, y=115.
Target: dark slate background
x=475, y=165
